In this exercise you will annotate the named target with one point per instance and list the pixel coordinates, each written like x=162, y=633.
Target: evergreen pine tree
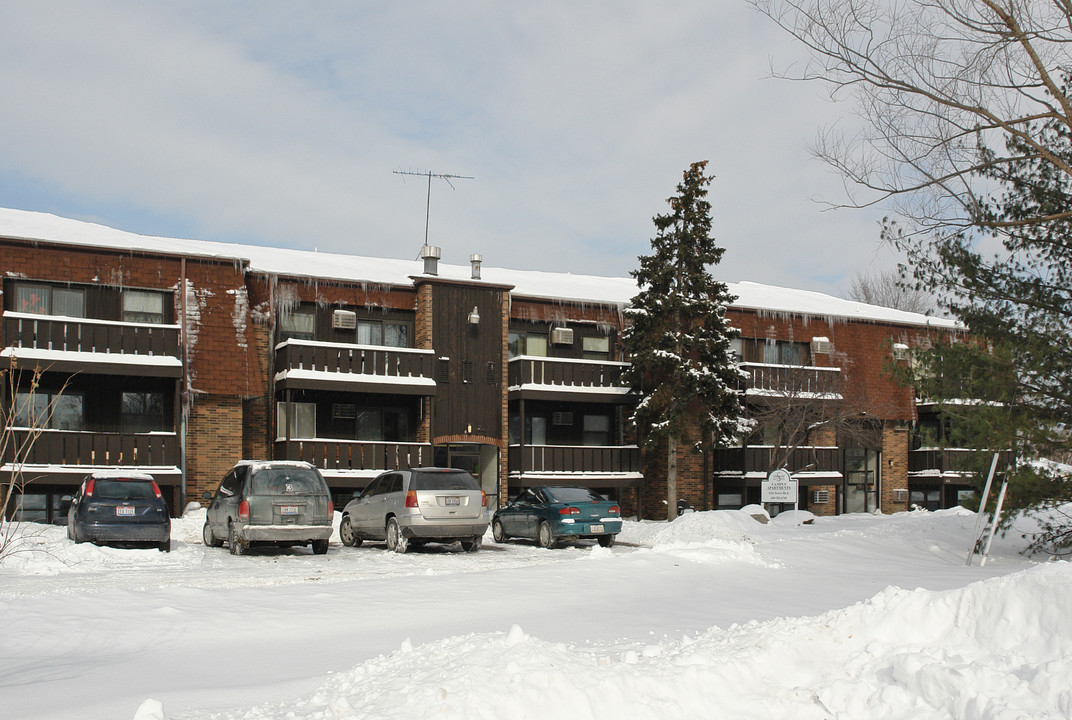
x=683, y=369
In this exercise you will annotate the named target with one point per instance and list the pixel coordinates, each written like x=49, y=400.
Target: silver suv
x=270, y=503
x=418, y=505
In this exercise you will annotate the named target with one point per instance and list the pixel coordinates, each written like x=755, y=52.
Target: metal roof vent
x=431, y=255
x=475, y=259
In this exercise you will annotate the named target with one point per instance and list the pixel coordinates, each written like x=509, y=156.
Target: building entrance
x=860, y=493
x=482, y=462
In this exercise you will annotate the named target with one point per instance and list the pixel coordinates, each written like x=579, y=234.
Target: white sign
x=779, y=487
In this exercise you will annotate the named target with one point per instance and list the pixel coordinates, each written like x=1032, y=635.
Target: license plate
x=288, y=510
x=597, y=528
x=452, y=500
x=124, y=511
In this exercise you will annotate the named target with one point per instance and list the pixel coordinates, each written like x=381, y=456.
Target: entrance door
x=861, y=480
x=481, y=461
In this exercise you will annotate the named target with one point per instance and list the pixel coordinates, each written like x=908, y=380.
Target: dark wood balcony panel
x=404, y=369
x=63, y=447
x=567, y=379
x=758, y=459
x=95, y=346
x=355, y=454
x=43, y=332
x=953, y=460
x=574, y=458
x=805, y=382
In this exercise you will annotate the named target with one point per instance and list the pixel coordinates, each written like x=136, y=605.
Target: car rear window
x=571, y=495
x=288, y=481
x=460, y=480
x=123, y=489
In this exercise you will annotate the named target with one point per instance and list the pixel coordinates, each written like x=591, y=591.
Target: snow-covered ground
x=713, y=615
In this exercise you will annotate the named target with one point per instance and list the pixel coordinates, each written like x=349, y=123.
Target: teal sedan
x=549, y=514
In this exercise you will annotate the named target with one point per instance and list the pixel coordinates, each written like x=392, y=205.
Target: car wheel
x=237, y=548
x=165, y=546
x=473, y=544
x=320, y=547
x=498, y=532
x=546, y=536
x=210, y=537
x=606, y=540
x=396, y=541
x=346, y=533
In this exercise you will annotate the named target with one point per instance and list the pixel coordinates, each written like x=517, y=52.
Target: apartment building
x=179, y=357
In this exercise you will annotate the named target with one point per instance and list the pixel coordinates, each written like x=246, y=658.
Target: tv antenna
x=428, y=203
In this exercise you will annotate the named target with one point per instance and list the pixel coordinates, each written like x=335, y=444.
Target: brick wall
x=213, y=442
x=894, y=468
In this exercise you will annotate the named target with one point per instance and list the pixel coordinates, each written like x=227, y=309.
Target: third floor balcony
x=568, y=380
x=67, y=344
x=306, y=364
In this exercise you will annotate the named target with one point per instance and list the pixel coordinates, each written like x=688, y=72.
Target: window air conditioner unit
x=820, y=346
x=900, y=496
x=900, y=351
x=820, y=497
x=343, y=320
x=562, y=336
x=562, y=418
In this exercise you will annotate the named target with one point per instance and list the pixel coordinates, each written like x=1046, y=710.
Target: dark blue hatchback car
x=121, y=508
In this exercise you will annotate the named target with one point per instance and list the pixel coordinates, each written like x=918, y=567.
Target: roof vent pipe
x=475, y=260
x=431, y=255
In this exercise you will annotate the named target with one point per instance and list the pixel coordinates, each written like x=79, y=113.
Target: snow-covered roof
x=44, y=227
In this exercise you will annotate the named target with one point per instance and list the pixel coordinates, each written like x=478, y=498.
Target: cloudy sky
x=283, y=123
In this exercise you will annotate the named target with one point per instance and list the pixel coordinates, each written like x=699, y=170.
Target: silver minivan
x=262, y=502
x=417, y=505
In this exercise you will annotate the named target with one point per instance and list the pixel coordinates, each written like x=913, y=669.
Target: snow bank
x=999, y=648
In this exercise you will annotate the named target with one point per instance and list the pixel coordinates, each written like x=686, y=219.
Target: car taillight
x=570, y=511
x=411, y=499
x=243, y=510
x=615, y=510
x=156, y=489
x=483, y=499
x=89, y=487
x=331, y=507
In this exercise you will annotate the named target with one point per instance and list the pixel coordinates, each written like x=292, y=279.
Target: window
x=142, y=306
x=142, y=412
x=46, y=300
x=388, y=334
x=537, y=429
x=774, y=352
x=370, y=425
x=298, y=323
x=527, y=343
x=54, y=411
x=302, y=421
x=597, y=430
x=596, y=348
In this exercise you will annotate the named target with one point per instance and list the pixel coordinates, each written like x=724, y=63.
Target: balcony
x=951, y=462
x=56, y=453
x=568, y=380
x=607, y=465
x=791, y=381
x=309, y=365
x=355, y=457
x=756, y=461
x=64, y=344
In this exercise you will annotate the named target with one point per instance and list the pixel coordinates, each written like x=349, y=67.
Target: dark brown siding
x=473, y=404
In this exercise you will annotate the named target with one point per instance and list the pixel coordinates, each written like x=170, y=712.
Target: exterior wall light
x=474, y=317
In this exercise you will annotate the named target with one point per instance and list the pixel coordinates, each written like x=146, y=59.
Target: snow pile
x=715, y=536
x=999, y=648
